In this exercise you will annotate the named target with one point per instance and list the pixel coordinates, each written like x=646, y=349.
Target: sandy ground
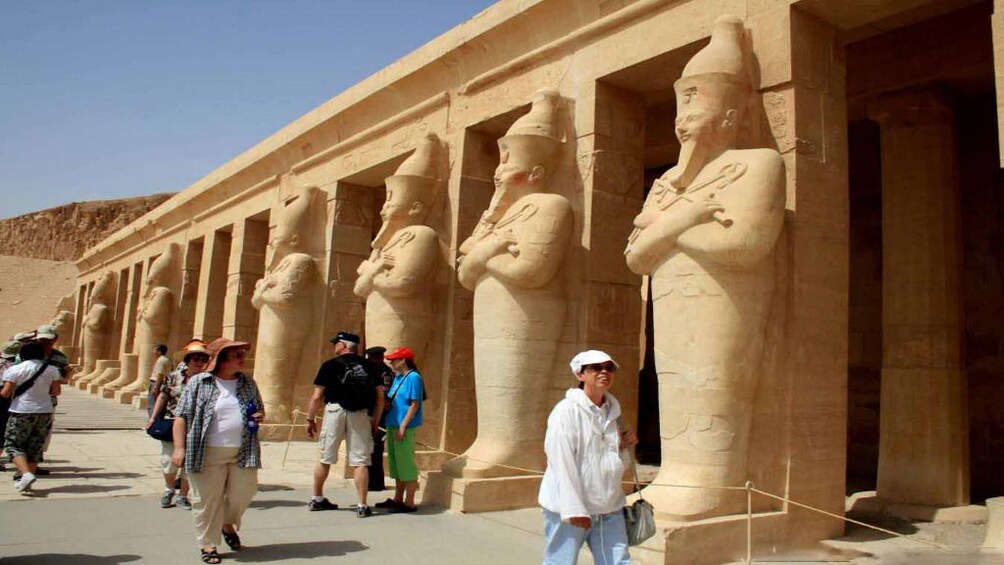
x=30, y=289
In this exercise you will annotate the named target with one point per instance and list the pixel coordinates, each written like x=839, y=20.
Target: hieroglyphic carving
x=512, y=261
x=706, y=237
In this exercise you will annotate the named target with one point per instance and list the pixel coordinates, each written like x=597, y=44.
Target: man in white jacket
x=581, y=492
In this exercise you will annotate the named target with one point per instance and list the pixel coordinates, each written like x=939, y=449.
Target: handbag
x=162, y=429
x=639, y=517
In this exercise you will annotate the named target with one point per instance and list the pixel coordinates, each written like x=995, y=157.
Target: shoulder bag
x=639, y=516
x=26, y=385
x=162, y=428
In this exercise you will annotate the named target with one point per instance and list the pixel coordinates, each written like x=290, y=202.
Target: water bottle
x=252, y=409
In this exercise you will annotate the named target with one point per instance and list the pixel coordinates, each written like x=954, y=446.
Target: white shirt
x=35, y=400
x=584, y=465
x=227, y=425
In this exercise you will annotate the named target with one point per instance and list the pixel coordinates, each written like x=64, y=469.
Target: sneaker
x=165, y=501
x=24, y=483
x=363, y=511
x=17, y=476
x=402, y=509
x=389, y=503
x=183, y=503
x=323, y=504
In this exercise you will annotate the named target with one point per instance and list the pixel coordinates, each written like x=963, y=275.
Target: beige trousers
x=220, y=494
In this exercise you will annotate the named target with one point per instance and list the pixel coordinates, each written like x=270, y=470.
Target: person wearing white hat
x=46, y=335
x=581, y=493
x=29, y=384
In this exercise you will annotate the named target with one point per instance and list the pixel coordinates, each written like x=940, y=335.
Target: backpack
x=358, y=390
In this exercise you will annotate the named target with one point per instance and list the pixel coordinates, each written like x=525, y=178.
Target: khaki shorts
x=166, y=451
x=353, y=427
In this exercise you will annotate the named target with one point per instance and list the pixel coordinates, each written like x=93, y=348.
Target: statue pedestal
x=994, y=542
x=480, y=495
x=712, y=541
x=125, y=397
x=139, y=402
x=867, y=502
x=280, y=432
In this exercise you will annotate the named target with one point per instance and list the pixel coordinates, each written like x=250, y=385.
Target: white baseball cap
x=589, y=357
x=46, y=332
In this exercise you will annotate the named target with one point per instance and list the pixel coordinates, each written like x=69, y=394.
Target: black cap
x=376, y=350
x=346, y=336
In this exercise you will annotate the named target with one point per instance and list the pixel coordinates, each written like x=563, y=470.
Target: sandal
x=232, y=539
x=211, y=556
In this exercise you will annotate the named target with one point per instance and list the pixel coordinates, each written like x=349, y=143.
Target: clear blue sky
x=104, y=99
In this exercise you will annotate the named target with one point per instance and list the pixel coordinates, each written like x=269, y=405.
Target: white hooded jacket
x=584, y=466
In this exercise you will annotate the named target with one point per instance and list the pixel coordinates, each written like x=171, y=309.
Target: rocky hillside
x=64, y=232
x=30, y=289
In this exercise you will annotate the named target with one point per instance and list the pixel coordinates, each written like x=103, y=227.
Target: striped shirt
x=198, y=405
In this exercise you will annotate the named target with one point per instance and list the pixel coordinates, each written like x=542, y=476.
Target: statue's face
x=511, y=173
x=400, y=205
x=698, y=119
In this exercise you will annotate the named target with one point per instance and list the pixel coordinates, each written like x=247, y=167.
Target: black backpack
x=357, y=390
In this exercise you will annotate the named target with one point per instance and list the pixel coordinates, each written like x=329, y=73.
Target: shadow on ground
x=857, y=533
x=302, y=550
x=84, y=474
x=273, y=488
x=267, y=504
x=75, y=489
x=69, y=559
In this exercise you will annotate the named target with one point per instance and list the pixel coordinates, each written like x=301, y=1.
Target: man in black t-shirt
x=352, y=392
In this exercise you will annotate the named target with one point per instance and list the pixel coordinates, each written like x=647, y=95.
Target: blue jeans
x=607, y=540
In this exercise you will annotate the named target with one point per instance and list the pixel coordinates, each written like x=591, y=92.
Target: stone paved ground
x=101, y=507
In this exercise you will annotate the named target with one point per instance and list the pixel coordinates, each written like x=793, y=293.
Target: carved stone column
x=246, y=265
x=923, y=446
x=212, y=286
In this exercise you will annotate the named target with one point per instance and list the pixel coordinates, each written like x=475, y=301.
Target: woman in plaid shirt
x=215, y=437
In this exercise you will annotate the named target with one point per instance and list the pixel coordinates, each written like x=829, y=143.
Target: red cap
x=400, y=353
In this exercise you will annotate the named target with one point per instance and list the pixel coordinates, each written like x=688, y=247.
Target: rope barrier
x=749, y=488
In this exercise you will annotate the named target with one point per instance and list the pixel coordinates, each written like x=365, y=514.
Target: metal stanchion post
x=749, y=522
x=289, y=439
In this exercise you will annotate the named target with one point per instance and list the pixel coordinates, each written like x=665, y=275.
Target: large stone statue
x=285, y=297
x=705, y=237
x=397, y=278
x=153, y=323
x=65, y=317
x=512, y=263
x=97, y=325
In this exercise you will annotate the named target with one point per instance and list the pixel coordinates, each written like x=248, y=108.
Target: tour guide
x=581, y=491
x=352, y=392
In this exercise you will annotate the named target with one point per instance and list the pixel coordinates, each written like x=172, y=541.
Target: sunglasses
x=198, y=359
x=238, y=354
x=597, y=367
